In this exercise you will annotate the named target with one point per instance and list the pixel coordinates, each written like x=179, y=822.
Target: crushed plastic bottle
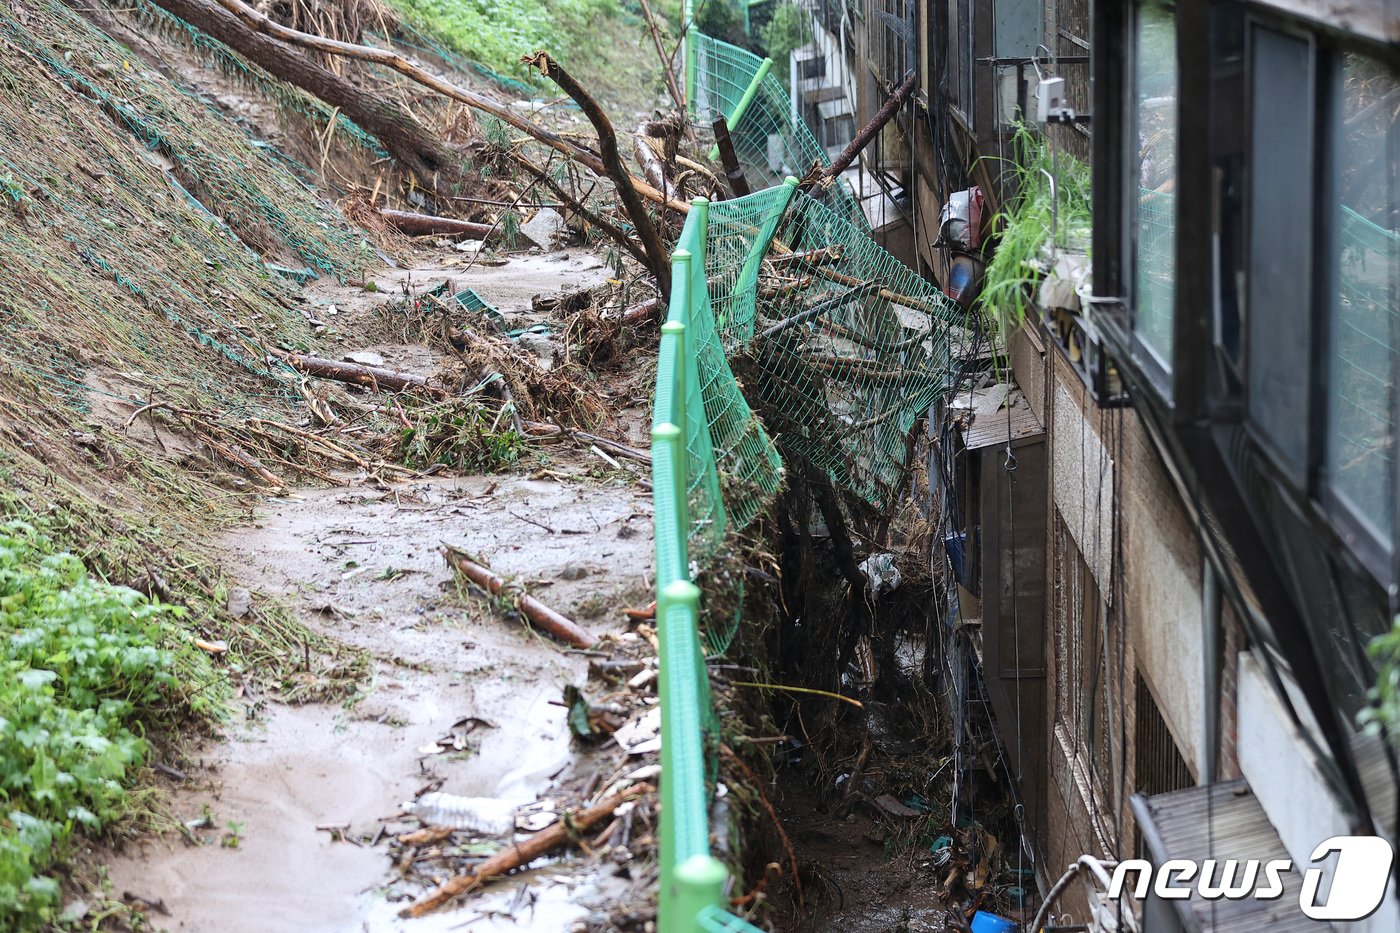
x=486, y=815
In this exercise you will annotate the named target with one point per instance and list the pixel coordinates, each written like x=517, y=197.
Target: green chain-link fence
x=770, y=141
x=841, y=348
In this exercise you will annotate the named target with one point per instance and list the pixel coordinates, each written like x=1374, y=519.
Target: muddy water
x=362, y=564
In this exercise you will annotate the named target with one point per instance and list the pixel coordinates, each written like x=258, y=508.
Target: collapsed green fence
x=770, y=141
x=842, y=349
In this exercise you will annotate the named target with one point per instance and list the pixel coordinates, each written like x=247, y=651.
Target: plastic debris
x=882, y=574
x=487, y=815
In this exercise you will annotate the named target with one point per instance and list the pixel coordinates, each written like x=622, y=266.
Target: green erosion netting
x=769, y=140
x=289, y=99
x=265, y=205
x=118, y=281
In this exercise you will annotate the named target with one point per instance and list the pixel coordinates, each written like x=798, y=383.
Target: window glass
x=1282, y=243
x=1155, y=258
x=1366, y=302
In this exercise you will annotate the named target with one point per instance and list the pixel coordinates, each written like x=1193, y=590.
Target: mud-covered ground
x=288, y=822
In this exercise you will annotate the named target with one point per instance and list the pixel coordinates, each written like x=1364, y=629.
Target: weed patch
x=85, y=668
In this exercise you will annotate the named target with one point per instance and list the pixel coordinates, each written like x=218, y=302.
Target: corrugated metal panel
x=1222, y=821
x=996, y=414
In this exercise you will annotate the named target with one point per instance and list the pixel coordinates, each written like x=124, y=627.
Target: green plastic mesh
x=781, y=302
x=735, y=468
x=769, y=141
x=119, y=283
x=841, y=346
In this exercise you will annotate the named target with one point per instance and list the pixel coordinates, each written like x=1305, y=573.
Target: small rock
x=73, y=911
x=364, y=358
x=543, y=227
x=573, y=572
x=240, y=602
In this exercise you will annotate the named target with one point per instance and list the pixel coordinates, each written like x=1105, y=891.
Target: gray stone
x=240, y=602
x=543, y=228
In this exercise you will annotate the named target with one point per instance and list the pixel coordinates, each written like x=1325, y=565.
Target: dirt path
x=362, y=565
x=289, y=820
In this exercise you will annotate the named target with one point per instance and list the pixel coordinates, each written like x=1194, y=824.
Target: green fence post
x=748, y=275
x=740, y=109
x=688, y=24
x=699, y=884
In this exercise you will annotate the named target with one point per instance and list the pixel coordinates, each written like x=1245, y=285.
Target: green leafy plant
x=463, y=434
x=1023, y=247
x=84, y=667
x=1383, y=712
x=496, y=33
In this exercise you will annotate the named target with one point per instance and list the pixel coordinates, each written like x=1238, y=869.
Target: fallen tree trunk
x=543, y=842
x=644, y=311
x=872, y=129
x=425, y=224
x=538, y=613
x=420, y=151
x=658, y=260
x=369, y=376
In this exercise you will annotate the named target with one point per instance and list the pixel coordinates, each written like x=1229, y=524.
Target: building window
x=1282, y=240
x=1157, y=763
x=1364, y=304
x=1155, y=90
x=1082, y=687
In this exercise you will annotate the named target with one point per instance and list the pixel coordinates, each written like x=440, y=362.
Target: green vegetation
x=789, y=28
x=463, y=434
x=85, y=668
x=1383, y=715
x=1022, y=250
x=495, y=33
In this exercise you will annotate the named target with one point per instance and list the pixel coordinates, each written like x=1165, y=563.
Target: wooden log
x=371, y=377
x=426, y=224
x=643, y=311
x=733, y=172
x=518, y=856
x=538, y=613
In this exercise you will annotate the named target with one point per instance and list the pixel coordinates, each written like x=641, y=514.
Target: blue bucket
x=983, y=922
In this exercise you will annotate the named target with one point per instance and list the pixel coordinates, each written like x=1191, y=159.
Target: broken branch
x=560, y=833
x=872, y=129
x=614, y=232
x=538, y=613
x=658, y=260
